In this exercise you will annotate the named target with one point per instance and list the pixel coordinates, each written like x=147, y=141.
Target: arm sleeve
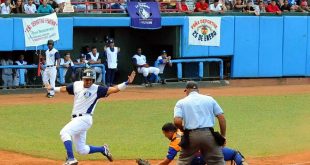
x=178, y=110
x=70, y=89
x=171, y=153
x=102, y=91
x=217, y=110
x=57, y=55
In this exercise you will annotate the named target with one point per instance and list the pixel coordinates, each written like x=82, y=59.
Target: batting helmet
x=50, y=42
x=89, y=73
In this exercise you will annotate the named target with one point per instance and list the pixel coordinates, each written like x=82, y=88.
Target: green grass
x=257, y=125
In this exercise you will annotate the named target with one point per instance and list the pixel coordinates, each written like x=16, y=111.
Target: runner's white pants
x=76, y=131
x=49, y=77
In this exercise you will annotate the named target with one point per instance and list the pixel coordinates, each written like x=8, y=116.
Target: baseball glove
x=142, y=162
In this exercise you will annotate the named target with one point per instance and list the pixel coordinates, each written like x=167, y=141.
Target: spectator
x=119, y=6
x=45, y=8
x=67, y=64
x=285, y=7
x=54, y=5
x=294, y=6
x=273, y=8
x=304, y=6
x=160, y=63
x=19, y=7
x=79, y=5
x=168, y=4
x=228, y=4
x=183, y=7
x=79, y=71
x=6, y=7
x=20, y=61
x=139, y=61
x=93, y=58
x=249, y=7
x=202, y=6
x=111, y=54
x=238, y=6
x=7, y=74
x=217, y=7
x=30, y=8
x=261, y=7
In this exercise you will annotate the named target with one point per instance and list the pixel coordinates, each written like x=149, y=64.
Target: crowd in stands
x=187, y=6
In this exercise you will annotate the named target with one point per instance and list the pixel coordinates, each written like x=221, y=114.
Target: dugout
x=129, y=39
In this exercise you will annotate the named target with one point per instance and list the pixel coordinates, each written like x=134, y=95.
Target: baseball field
x=268, y=124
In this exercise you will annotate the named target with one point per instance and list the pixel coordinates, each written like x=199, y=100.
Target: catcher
x=171, y=132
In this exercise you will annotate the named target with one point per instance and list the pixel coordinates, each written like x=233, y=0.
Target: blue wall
x=265, y=46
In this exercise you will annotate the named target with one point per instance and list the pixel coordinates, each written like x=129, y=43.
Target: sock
x=68, y=146
x=94, y=149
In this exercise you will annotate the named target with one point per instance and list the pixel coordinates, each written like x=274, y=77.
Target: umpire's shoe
x=107, y=153
x=71, y=162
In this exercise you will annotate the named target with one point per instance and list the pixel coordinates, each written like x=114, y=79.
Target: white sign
x=204, y=31
x=39, y=30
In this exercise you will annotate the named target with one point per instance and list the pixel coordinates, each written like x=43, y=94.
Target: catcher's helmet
x=50, y=42
x=89, y=73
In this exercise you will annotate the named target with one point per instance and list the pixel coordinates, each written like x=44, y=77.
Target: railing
x=21, y=71
x=106, y=7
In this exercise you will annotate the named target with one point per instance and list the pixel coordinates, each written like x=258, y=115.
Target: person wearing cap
x=160, y=63
x=197, y=112
x=52, y=60
x=111, y=53
x=273, y=8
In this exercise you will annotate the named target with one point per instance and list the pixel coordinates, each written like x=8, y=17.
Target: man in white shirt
x=7, y=74
x=30, y=8
x=139, y=61
x=66, y=63
x=5, y=7
x=111, y=53
x=217, y=7
x=20, y=61
x=93, y=58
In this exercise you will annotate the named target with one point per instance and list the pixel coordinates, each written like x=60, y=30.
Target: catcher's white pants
x=76, y=131
x=145, y=71
x=49, y=77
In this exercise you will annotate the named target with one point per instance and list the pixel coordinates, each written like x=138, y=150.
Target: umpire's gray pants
x=202, y=140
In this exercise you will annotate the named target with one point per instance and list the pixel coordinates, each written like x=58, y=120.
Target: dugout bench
x=200, y=62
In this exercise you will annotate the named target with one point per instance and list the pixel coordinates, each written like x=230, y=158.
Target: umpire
x=197, y=112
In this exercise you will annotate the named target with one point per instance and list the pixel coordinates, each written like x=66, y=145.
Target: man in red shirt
x=183, y=7
x=273, y=8
x=202, y=6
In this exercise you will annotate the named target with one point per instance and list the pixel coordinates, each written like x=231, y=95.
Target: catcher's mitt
x=142, y=162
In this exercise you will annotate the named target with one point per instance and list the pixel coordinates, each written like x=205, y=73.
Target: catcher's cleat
x=107, y=153
x=71, y=162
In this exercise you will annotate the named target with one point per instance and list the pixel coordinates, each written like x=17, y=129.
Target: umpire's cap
x=89, y=73
x=50, y=42
x=191, y=85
